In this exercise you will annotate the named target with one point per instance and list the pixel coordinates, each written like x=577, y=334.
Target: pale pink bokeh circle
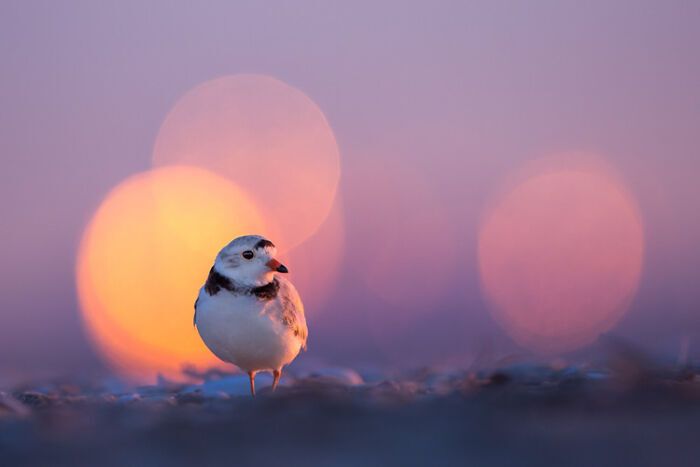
x=560, y=258
x=266, y=136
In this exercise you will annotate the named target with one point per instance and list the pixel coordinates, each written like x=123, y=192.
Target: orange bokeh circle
x=560, y=257
x=142, y=259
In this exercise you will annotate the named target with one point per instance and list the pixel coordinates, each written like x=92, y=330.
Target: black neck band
x=216, y=282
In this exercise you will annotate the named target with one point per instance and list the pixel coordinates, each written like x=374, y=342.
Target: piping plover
x=247, y=314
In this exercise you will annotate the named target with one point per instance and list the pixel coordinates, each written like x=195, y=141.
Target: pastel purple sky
x=463, y=93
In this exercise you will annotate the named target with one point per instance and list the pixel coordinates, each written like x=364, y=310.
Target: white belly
x=245, y=331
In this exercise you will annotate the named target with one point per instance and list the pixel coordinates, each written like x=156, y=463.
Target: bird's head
x=249, y=261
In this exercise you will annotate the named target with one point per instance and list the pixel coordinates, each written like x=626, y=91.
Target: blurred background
x=445, y=180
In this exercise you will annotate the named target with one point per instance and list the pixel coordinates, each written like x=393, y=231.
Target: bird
x=249, y=315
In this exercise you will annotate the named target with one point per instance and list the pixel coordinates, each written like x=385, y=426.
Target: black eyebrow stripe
x=264, y=243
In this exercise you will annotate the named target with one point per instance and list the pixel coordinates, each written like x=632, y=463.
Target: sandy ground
x=520, y=415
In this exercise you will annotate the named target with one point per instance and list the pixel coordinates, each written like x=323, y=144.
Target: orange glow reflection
x=560, y=257
x=144, y=256
x=267, y=137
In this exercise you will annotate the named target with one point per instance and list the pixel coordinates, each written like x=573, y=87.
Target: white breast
x=247, y=331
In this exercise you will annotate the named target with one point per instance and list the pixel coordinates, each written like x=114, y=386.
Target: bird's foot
x=251, y=375
x=276, y=374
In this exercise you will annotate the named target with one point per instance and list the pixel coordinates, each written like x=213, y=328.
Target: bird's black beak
x=277, y=266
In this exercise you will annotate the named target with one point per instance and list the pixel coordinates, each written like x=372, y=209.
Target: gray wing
x=194, y=320
x=293, y=311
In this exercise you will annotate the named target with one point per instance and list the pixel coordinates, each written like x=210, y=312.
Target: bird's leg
x=251, y=375
x=276, y=378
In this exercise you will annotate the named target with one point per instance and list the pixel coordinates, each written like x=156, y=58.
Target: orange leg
x=251, y=375
x=276, y=374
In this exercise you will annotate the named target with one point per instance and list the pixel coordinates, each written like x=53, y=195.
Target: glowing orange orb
x=560, y=257
x=267, y=137
x=143, y=258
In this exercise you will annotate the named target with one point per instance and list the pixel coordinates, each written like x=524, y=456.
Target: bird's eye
x=248, y=254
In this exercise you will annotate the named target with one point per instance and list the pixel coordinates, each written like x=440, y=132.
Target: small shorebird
x=249, y=315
